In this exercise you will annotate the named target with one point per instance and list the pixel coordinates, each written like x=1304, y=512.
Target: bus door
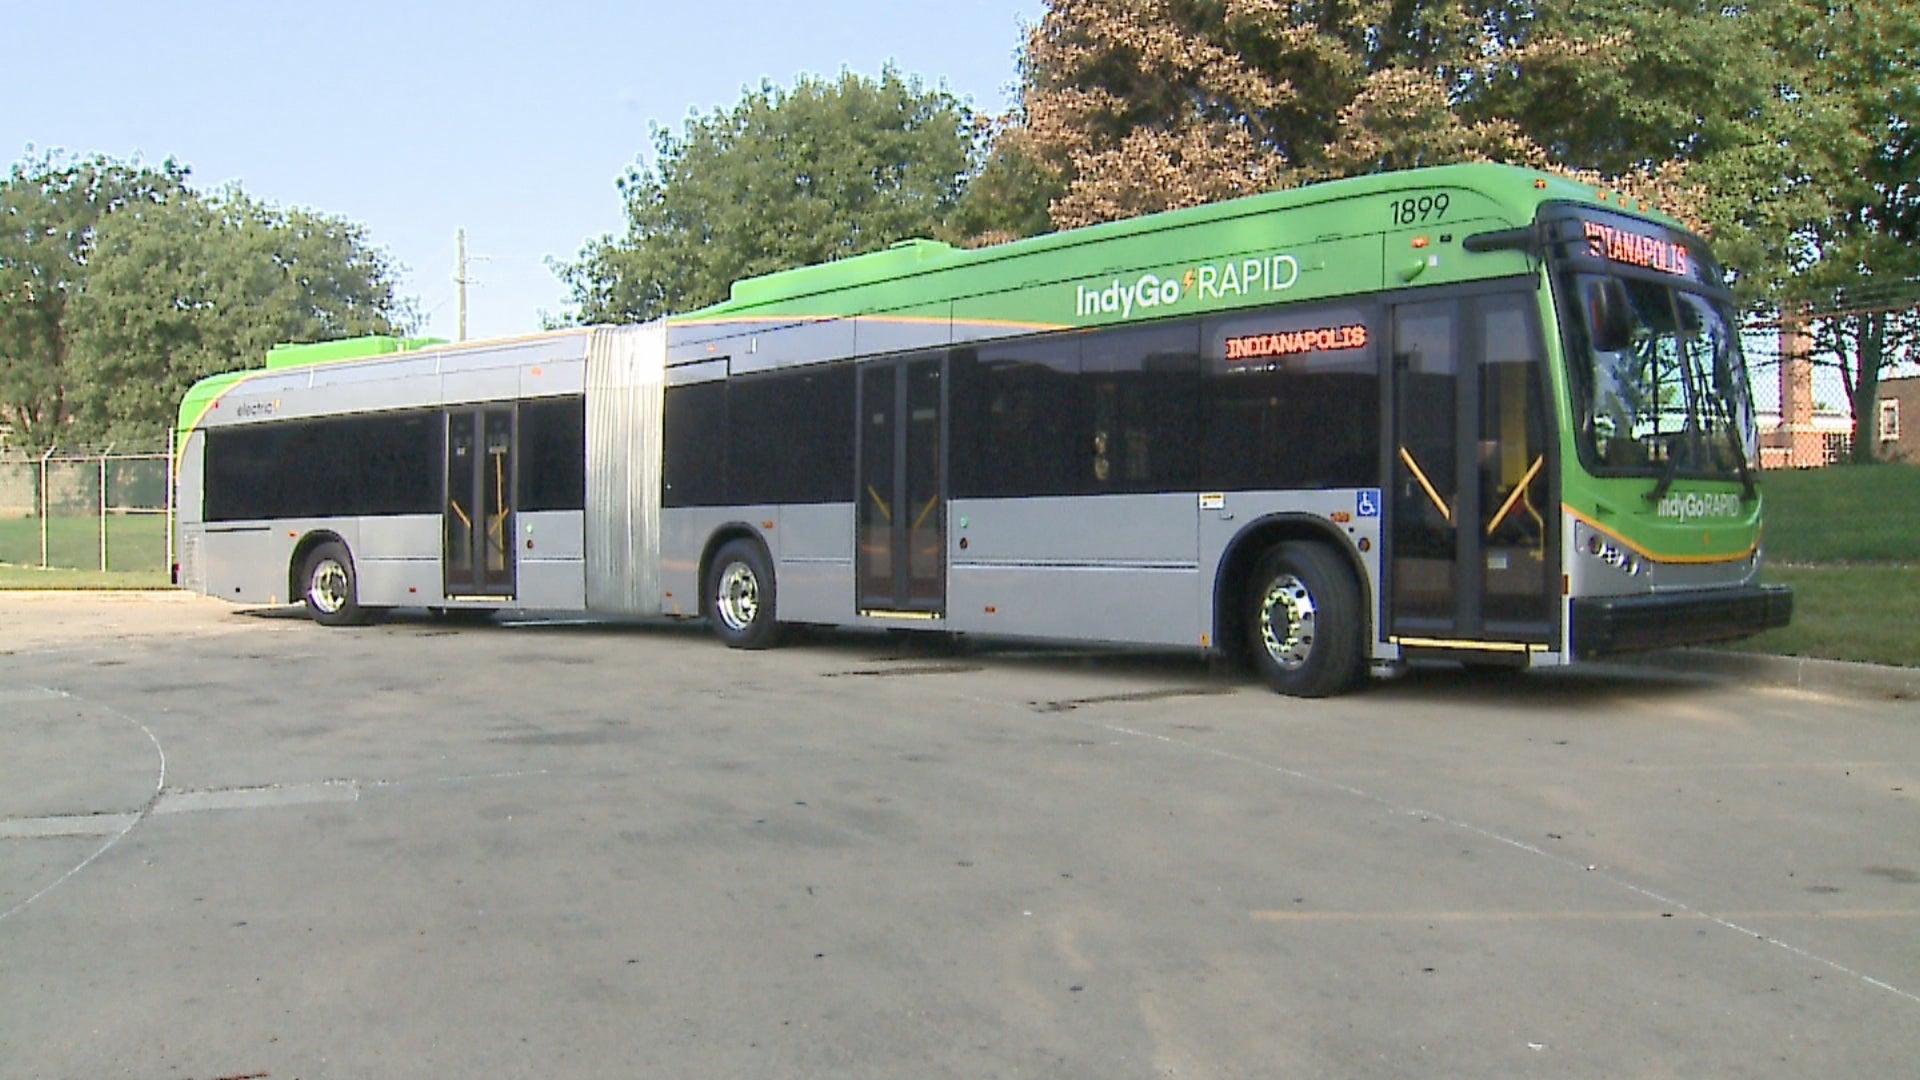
x=478, y=513
x=901, y=562
x=1473, y=513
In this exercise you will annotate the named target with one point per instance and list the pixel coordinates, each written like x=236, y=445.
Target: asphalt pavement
x=236, y=844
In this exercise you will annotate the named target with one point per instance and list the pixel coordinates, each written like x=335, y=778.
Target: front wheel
x=1304, y=621
x=740, y=596
x=332, y=592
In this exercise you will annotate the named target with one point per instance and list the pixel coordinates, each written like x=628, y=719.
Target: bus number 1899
x=1415, y=211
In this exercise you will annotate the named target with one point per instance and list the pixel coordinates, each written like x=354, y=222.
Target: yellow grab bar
x=1427, y=485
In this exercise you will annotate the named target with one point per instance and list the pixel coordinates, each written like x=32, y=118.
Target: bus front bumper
x=1603, y=625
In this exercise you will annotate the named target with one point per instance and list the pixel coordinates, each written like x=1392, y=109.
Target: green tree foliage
x=1863, y=345
x=1855, y=259
x=1143, y=105
x=1009, y=197
x=181, y=290
x=783, y=179
x=1711, y=109
x=121, y=286
x=50, y=211
x=1716, y=97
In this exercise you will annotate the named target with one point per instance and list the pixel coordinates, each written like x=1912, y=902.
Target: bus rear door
x=901, y=564
x=478, y=526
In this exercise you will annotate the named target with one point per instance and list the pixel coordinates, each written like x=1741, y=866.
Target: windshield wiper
x=1672, y=470
x=1666, y=478
x=1748, y=491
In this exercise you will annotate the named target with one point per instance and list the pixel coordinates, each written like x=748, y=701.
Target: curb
x=1875, y=681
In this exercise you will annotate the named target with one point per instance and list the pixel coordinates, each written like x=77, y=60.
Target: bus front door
x=1474, y=560
x=478, y=513
x=901, y=563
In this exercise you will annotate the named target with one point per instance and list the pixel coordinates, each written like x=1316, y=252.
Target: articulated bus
x=1473, y=413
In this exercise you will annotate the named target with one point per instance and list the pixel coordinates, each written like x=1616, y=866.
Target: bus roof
x=921, y=271
x=357, y=348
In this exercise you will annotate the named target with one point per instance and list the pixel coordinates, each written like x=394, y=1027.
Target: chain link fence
x=77, y=508
x=1804, y=370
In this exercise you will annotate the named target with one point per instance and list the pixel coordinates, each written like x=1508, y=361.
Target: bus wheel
x=740, y=599
x=332, y=592
x=1304, y=621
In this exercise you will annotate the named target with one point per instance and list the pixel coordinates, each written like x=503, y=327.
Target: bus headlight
x=1612, y=554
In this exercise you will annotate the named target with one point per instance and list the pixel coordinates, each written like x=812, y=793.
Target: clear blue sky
x=510, y=119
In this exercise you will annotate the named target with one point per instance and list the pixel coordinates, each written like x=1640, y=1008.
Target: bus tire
x=331, y=590
x=1304, y=621
x=740, y=596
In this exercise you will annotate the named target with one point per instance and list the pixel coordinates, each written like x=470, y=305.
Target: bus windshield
x=1659, y=382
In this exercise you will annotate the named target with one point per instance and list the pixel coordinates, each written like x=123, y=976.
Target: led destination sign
x=1636, y=249
x=1295, y=342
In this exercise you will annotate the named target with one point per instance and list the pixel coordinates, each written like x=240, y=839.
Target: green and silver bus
x=1472, y=413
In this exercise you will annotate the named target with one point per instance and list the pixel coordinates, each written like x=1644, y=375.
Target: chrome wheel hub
x=1287, y=621
x=328, y=589
x=738, y=599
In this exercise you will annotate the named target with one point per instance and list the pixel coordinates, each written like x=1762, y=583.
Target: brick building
x=1899, y=404
x=1803, y=434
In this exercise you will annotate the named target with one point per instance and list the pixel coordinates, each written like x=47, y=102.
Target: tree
x=120, y=285
x=1857, y=251
x=783, y=179
x=179, y=290
x=1010, y=195
x=50, y=211
x=1722, y=99
x=1143, y=105
x=1862, y=337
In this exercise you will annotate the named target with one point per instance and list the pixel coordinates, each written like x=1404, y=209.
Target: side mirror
x=1609, y=317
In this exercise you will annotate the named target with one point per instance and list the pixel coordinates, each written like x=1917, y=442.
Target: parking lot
x=237, y=844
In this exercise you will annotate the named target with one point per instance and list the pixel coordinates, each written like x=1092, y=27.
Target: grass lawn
x=1843, y=514
x=136, y=544
x=1869, y=614
x=1848, y=540
x=32, y=577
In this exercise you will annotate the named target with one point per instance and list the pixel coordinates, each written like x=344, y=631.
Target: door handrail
x=1427, y=485
x=1518, y=494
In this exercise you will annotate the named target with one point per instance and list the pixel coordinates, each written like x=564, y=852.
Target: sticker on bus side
x=1366, y=503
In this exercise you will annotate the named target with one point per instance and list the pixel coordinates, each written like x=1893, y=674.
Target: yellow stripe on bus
x=1650, y=556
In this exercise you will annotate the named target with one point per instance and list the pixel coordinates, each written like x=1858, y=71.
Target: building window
x=1889, y=419
x=1837, y=446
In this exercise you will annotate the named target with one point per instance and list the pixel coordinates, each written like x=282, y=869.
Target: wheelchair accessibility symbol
x=1367, y=503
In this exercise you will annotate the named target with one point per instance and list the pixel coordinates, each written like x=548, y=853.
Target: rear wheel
x=740, y=596
x=1304, y=621
x=332, y=593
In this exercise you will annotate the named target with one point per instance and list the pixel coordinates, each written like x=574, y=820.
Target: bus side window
x=1292, y=399
x=1142, y=389
x=553, y=454
x=1025, y=431
x=694, y=472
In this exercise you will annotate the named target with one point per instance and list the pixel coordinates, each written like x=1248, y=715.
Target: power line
x=1868, y=293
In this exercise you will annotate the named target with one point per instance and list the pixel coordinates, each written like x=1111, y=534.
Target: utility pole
x=460, y=282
